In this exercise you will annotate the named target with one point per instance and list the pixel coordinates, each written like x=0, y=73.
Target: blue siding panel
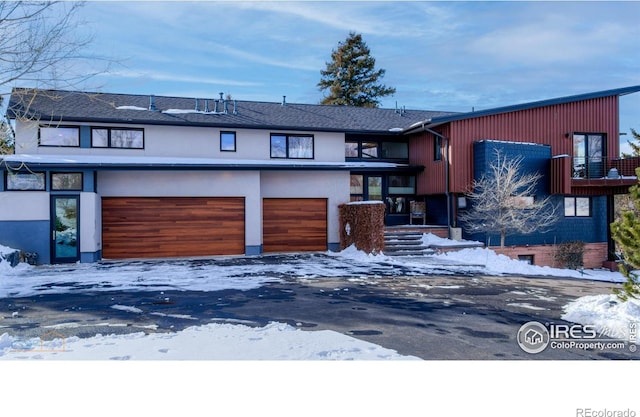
x=536, y=158
x=28, y=236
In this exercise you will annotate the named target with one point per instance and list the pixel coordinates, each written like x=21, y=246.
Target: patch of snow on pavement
x=612, y=317
x=215, y=341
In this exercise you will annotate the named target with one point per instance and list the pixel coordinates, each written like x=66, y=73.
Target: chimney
x=284, y=100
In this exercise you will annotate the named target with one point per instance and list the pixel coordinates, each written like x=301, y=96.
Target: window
x=577, y=206
x=395, y=150
x=107, y=137
x=400, y=184
x=68, y=181
x=437, y=148
x=59, y=136
x=25, y=181
x=228, y=141
x=351, y=149
x=369, y=149
x=292, y=146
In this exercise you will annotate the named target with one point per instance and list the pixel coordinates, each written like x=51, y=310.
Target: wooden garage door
x=144, y=227
x=294, y=224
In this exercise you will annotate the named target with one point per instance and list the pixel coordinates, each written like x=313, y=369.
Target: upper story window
x=291, y=146
x=437, y=148
x=59, y=136
x=111, y=137
x=376, y=150
x=228, y=141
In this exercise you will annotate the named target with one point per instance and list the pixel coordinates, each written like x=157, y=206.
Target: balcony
x=592, y=176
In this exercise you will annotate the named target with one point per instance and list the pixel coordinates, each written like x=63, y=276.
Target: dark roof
x=73, y=106
x=438, y=120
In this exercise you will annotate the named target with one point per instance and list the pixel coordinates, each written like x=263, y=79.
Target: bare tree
x=40, y=42
x=503, y=201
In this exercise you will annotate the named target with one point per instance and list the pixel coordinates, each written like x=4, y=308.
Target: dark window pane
x=395, y=150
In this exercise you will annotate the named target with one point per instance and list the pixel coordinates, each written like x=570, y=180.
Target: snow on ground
x=215, y=341
x=276, y=341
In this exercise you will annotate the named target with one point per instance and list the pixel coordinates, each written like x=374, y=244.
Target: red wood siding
x=544, y=125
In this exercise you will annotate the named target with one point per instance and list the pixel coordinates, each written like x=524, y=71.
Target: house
x=107, y=176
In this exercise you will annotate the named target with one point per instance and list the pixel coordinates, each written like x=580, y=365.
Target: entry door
x=588, y=154
x=65, y=243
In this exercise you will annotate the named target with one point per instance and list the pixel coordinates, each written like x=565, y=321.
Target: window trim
x=68, y=189
x=39, y=174
x=228, y=132
x=40, y=127
x=287, y=151
x=109, y=129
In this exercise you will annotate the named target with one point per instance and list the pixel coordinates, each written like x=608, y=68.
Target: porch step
x=404, y=243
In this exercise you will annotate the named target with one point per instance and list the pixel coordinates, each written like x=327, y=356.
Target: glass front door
x=588, y=155
x=65, y=245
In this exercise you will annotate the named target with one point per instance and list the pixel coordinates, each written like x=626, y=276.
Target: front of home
x=111, y=176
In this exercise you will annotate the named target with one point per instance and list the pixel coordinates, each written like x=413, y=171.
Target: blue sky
x=438, y=55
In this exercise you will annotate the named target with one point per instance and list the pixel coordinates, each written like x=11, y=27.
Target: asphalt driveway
x=461, y=315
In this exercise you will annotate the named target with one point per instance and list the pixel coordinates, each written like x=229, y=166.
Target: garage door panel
x=142, y=227
x=293, y=225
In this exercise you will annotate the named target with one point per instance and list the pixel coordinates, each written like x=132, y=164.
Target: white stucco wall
x=90, y=222
x=183, y=142
x=24, y=205
x=318, y=184
x=191, y=184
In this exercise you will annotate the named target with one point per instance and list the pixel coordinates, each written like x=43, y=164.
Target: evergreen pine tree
x=635, y=146
x=626, y=233
x=351, y=76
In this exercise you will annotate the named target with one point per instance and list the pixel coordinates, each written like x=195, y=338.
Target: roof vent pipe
x=215, y=106
x=284, y=100
x=206, y=106
x=221, y=96
x=235, y=107
x=152, y=103
x=226, y=107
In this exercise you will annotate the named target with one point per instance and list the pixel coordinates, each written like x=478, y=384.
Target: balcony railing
x=592, y=176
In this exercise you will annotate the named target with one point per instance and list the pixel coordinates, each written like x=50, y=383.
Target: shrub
x=570, y=254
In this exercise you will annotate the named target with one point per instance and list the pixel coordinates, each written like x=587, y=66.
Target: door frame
x=52, y=231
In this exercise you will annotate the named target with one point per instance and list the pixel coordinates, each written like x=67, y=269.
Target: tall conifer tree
x=351, y=77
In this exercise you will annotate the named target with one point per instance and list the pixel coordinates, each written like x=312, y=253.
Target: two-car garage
x=161, y=227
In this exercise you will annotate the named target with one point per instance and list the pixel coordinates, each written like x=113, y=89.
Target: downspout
x=446, y=174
